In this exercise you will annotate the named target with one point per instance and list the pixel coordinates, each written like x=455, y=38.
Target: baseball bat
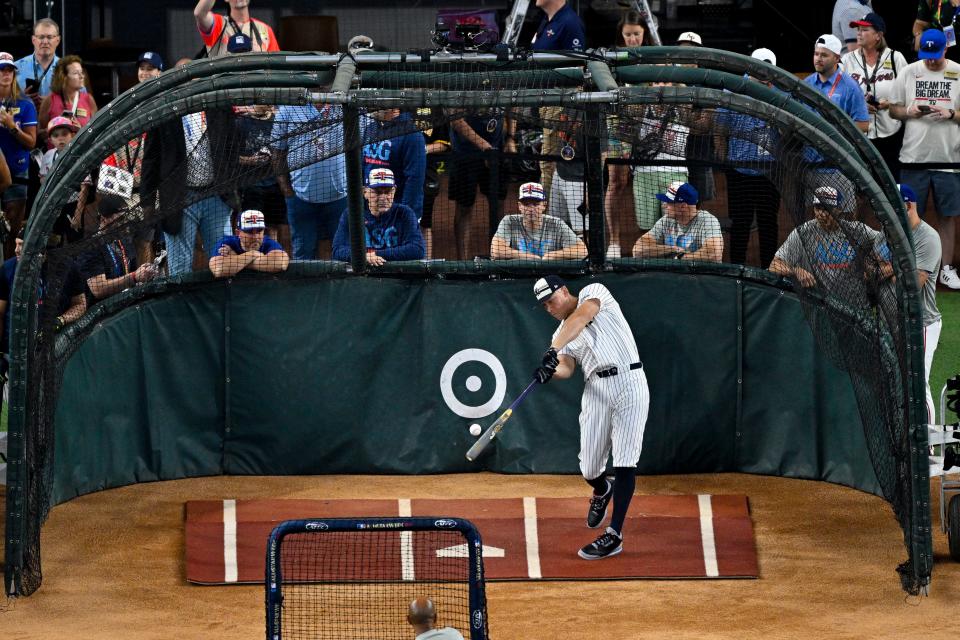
x=484, y=440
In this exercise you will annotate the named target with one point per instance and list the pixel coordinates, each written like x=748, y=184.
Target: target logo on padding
x=473, y=383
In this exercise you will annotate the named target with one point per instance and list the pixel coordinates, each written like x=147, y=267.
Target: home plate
x=460, y=551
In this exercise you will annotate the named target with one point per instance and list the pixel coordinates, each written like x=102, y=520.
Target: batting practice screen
x=355, y=578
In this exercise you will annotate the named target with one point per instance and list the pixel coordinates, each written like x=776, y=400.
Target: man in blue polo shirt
x=34, y=72
x=561, y=28
x=829, y=80
x=249, y=249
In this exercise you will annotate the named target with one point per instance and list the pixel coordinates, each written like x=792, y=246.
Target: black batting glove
x=548, y=366
x=550, y=359
x=543, y=374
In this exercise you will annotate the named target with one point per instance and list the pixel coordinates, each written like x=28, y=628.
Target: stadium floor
x=114, y=567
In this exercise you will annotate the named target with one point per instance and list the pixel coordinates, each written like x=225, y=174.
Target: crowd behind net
x=500, y=168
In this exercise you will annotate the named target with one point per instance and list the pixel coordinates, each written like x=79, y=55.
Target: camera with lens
x=468, y=36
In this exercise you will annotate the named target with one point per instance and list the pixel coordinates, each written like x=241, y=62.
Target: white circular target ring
x=446, y=383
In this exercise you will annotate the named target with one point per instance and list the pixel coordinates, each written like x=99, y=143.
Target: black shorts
x=267, y=199
x=467, y=172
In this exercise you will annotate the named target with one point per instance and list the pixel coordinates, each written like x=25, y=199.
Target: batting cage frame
x=402, y=532
x=595, y=85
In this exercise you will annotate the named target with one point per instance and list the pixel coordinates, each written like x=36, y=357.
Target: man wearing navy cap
x=685, y=232
x=249, y=249
x=927, y=98
x=239, y=43
x=149, y=66
x=391, y=229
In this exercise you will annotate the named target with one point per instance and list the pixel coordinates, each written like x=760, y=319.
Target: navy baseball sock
x=624, y=482
x=600, y=485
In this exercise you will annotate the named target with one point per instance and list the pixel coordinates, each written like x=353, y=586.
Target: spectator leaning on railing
x=249, y=249
x=531, y=235
x=112, y=266
x=685, y=232
x=391, y=228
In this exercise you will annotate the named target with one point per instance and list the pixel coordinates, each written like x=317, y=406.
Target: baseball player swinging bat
x=484, y=440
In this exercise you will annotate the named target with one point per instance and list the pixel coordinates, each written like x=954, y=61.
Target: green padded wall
x=267, y=376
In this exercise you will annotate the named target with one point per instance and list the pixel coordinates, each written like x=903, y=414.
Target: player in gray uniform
x=926, y=244
x=613, y=410
x=422, y=616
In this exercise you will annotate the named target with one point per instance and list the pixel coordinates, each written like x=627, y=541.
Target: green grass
x=946, y=363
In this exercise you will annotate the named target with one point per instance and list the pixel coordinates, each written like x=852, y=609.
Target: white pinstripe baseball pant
x=613, y=413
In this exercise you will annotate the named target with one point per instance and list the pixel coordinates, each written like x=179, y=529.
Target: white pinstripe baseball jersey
x=607, y=341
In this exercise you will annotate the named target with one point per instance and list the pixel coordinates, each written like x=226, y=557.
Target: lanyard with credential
x=835, y=83
x=870, y=80
x=39, y=78
x=940, y=8
x=123, y=267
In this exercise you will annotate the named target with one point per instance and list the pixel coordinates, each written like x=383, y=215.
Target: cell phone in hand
x=924, y=108
x=32, y=85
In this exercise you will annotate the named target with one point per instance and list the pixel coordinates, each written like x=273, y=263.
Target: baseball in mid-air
x=475, y=429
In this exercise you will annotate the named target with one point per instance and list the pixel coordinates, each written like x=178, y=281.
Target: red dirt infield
x=669, y=536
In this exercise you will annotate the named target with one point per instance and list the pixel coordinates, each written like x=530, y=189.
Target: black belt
x=612, y=371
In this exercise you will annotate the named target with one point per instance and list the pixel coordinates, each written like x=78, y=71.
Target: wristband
x=133, y=276
x=952, y=113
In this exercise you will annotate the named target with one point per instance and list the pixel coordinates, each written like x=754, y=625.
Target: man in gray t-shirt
x=685, y=232
x=926, y=245
x=531, y=235
x=825, y=250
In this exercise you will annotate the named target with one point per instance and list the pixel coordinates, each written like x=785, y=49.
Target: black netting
x=359, y=584
x=489, y=179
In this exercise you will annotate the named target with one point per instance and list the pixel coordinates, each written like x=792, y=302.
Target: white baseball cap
x=531, y=191
x=765, y=55
x=831, y=43
x=690, y=37
x=252, y=220
x=827, y=196
x=381, y=177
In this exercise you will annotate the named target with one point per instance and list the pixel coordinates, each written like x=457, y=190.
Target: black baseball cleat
x=608, y=544
x=598, y=507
